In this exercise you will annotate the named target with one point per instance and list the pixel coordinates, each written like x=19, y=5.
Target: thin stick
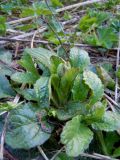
x=117, y=65
x=79, y=5
x=42, y=41
x=111, y=100
x=25, y=35
x=14, y=39
x=40, y=30
x=89, y=156
x=3, y=138
x=14, y=31
x=21, y=20
x=57, y=153
x=42, y=153
x=111, y=106
x=59, y=23
x=97, y=156
x=104, y=157
x=58, y=10
x=16, y=50
x=71, y=21
x=56, y=34
x=32, y=41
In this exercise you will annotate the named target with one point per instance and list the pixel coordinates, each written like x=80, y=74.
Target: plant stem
x=102, y=142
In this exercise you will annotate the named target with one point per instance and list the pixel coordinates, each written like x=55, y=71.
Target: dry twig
x=42, y=153
x=117, y=65
x=57, y=153
x=111, y=100
x=3, y=138
x=58, y=10
x=97, y=156
x=79, y=5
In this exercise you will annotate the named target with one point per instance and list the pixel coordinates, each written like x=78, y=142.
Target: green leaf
x=79, y=58
x=63, y=156
x=63, y=86
x=79, y=90
x=45, y=70
x=70, y=110
x=55, y=61
x=101, y=16
x=110, y=122
x=105, y=77
x=100, y=38
x=95, y=84
x=62, y=68
x=41, y=55
x=27, y=11
x=109, y=40
x=6, y=62
x=7, y=106
x=55, y=24
x=8, y=7
x=115, y=24
x=29, y=94
x=67, y=15
x=5, y=56
x=116, y=152
x=66, y=83
x=92, y=39
x=111, y=139
x=5, y=88
x=21, y=77
x=118, y=72
x=76, y=137
x=42, y=91
x=96, y=113
x=107, y=66
x=26, y=27
x=2, y=25
x=53, y=39
x=87, y=22
x=56, y=3
x=61, y=52
x=38, y=9
x=55, y=84
x=25, y=131
x=27, y=63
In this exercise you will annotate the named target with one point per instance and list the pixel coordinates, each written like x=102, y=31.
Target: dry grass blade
x=58, y=10
x=103, y=157
x=42, y=153
x=3, y=138
x=117, y=65
x=57, y=153
x=97, y=156
x=79, y=5
x=111, y=100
